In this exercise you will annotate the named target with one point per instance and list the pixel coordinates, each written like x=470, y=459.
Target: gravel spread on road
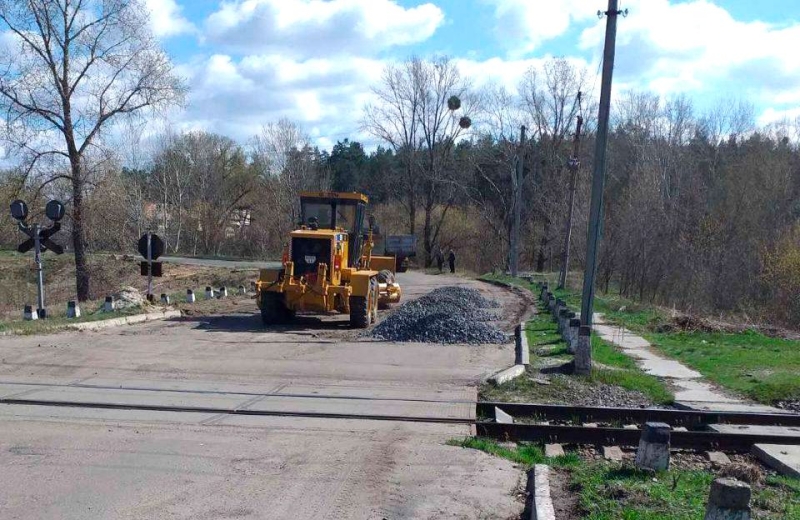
x=445, y=315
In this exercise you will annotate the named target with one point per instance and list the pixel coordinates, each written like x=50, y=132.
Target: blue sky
x=249, y=62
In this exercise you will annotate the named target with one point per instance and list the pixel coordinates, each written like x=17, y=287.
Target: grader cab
x=329, y=265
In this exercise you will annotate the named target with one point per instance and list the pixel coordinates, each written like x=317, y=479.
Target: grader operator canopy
x=325, y=210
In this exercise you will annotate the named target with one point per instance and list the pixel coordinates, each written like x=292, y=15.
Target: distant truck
x=402, y=247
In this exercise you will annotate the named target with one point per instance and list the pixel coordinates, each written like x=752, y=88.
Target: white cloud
x=698, y=47
x=524, y=25
x=236, y=97
x=306, y=28
x=166, y=19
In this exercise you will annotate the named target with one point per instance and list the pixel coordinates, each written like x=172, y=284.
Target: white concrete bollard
x=562, y=320
x=29, y=313
x=223, y=292
x=108, y=305
x=565, y=331
x=252, y=287
x=73, y=310
x=583, y=352
x=729, y=499
x=574, y=327
x=165, y=299
x=653, y=451
x=242, y=290
x=209, y=293
x=190, y=296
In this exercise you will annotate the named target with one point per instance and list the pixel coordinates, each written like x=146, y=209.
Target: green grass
x=763, y=368
x=526, y=454
x=542, y=331
x=612, y=491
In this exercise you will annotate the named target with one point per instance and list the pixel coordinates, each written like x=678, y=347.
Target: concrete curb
x=523, y=353
x=504, y=376
x=124, y=320
x=539, y=488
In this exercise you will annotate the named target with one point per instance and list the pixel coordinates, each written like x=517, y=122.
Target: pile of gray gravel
x=445, y=315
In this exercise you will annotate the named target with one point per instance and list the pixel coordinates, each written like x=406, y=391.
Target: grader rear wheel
x=273, y=310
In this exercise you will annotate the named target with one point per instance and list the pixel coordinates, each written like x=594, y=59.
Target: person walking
x=451, y=258
x=440, y=260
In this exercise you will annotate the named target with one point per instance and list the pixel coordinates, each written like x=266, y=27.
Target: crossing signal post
x=39, y=241
x=151, y=247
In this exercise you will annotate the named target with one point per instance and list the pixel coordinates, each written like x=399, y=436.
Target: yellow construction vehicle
x=328, y=265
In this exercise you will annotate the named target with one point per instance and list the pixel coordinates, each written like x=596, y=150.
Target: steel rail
x=235, y=411
x=687, y=418
x=347, y=397
x=622, y=437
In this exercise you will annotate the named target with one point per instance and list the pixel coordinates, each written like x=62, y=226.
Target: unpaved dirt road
x=86, y=462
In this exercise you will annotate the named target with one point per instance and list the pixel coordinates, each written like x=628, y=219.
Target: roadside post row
x=109, y=304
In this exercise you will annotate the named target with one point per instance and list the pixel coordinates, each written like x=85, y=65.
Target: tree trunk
x=79, y=235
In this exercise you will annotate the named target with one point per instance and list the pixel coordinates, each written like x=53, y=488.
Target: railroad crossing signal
x=151, y=247
x=39, y=240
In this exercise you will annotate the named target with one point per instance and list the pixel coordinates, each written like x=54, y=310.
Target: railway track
x=531, y=422
x=535, y=426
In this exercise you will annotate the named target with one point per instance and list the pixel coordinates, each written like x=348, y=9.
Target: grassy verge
x=525, y=454
x=621, y=369
x=613, y=491
x=765, y=369
x=762, y=368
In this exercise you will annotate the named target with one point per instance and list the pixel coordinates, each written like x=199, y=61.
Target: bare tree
x=394, y=118
x=283, y=153
x=72, y=68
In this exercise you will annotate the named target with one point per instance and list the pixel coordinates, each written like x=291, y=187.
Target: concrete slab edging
x=539, y=488
x=125, y=320
x=506, y=375
x=784, y=459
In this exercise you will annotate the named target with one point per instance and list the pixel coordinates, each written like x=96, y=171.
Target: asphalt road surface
x=175, y=440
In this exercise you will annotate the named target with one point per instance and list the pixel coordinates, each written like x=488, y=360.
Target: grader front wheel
x=359, y=312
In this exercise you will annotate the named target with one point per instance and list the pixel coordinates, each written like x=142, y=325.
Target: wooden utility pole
x=599, y=175
x=574, y=164
x=516, y=184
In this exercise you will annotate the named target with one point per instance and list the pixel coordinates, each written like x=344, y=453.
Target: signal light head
x=54, y=210
x=19, y=210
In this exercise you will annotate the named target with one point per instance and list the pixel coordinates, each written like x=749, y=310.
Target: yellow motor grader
x=328, y=265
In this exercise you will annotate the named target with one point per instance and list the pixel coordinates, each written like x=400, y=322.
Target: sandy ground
x=91, y=463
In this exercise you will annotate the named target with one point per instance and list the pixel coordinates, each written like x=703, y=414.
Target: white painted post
x=29, y=313
x=223, y=292
x=108, y=305
x=209, y=293
x=653, y=452
x=165, y=299
x=574, y=327
x=190, y=296
x=73, y=310
x=242, y=290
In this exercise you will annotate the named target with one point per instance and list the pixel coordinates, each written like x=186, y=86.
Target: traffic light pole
x=149, y=267
x=37, y=258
